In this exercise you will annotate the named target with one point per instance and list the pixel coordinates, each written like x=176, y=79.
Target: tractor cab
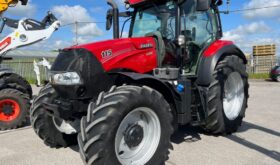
x=182, y=29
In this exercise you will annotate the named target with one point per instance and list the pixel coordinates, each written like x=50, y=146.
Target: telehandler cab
x=124, y=97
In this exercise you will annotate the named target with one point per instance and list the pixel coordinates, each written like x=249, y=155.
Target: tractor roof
x=140, y=2
x=134, y=2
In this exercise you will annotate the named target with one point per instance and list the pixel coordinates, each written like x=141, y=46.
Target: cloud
x=244, y=30
x=90, y=29
x=82, y=39
x=49, y=45
x=70, y=14
x=23, y=11
x=245, y=36
x=97, y=9
x=262, y=13
x=60, y=44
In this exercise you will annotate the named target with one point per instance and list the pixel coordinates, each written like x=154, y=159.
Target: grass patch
x=258, y=76
x=31, y=81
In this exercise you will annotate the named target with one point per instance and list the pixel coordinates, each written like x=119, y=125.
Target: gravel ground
x=256, y=142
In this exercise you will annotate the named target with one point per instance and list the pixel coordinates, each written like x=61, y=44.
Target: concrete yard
x=257, y=142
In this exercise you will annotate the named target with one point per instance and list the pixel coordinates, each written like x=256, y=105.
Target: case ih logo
x=5, y=43
x=144, y=46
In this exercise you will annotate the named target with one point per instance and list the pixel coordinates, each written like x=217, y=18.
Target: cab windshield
x=156, y=17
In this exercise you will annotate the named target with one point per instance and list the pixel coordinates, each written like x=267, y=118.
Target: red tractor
x=123, y=98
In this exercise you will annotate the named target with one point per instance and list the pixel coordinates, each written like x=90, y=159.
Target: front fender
x=164, y=88
x=209, y=62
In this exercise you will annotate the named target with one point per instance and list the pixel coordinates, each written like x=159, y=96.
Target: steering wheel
x=193, y=44
x=167, y=33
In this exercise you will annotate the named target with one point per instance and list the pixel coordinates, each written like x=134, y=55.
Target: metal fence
x=261, y=64
x=25, y=68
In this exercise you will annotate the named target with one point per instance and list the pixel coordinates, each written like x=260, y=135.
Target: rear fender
x=209, y=62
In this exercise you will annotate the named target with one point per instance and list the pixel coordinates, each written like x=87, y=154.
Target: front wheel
x=54, y=132
x=128, y=125
x=227, y=96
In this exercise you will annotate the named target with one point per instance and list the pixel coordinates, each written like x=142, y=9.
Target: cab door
x=200, y=30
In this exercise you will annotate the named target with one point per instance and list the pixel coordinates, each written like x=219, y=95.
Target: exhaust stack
x=116, y=28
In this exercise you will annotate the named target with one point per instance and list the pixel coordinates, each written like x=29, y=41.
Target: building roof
x=31, y=53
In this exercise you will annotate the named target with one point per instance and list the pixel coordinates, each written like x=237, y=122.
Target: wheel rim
x=67, y=127
x=9, y=110
x=138, y=137
x=233, y=96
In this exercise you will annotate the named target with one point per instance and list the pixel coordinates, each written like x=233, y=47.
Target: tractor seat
x=161, y=52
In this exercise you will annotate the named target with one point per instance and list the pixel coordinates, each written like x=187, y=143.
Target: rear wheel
x=227, y=96
x=128, y=125
x=14, y=109
x=54, y=131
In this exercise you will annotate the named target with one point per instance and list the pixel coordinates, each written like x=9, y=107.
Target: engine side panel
x=136, y=54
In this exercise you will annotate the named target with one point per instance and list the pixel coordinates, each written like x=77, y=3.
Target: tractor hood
x=93, y=61
x=135, y=54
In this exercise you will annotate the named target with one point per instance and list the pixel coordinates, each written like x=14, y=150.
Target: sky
x=244, y=28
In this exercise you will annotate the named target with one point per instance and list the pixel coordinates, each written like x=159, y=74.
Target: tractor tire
x=15, y=81
x=14, y=109
x=43, y=124
x=124, y=120
x=227, y=96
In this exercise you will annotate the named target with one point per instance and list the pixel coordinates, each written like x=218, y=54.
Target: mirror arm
x=126, y=14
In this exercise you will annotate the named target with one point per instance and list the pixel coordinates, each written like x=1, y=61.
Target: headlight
x=68, y=78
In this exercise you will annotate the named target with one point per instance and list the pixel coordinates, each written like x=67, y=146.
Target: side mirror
x=181, y=40
x=109, y=19
x=24, y=2
x=202, y=5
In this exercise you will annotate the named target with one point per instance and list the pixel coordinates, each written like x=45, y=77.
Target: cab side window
x=198, y=26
